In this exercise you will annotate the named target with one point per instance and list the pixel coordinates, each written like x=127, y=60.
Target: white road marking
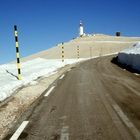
x=62, y=76
x=134, y=131
x=49, y=91
x=127, y=122
x=136, y=74
x=19, y=131
x=64, y=133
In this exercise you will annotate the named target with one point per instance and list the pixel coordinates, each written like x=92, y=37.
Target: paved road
x=96, y=100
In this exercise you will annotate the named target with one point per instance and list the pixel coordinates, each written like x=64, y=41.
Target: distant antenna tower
x=81, y=29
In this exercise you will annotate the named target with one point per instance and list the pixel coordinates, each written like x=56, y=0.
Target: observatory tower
x=81, y=29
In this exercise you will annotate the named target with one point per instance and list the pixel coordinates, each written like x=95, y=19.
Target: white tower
x=81, y=29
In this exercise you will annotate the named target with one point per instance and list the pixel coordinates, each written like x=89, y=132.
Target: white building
x=81, y=29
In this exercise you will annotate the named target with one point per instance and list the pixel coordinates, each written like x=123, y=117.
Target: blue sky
x=44, y=23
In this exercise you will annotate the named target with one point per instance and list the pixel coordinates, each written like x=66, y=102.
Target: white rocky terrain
x=99, y=45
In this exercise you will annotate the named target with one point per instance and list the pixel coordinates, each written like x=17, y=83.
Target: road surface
x=96, y=100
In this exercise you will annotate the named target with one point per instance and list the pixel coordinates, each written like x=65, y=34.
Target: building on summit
x=81, y=29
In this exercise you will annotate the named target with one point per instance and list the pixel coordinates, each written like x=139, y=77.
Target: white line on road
x=62, y=76
x=19, y=131
x=49, y=91
x=64, y=133
x=127, y=122
x=124, y=118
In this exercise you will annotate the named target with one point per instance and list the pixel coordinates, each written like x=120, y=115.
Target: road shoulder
x=13, y=109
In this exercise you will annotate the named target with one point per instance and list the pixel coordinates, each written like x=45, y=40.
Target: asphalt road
x=96, y=100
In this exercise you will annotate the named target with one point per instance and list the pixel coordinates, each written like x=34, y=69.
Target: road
x=96, y=100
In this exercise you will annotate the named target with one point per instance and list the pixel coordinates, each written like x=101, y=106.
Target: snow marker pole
x=62, y=52
x=78, y=52
x=17, y=52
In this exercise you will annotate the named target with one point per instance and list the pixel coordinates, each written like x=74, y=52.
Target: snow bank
x=30, y=70
x=131, y=57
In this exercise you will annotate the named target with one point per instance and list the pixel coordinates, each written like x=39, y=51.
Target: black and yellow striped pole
x=17, y=52
x=62, y=52
x=78, y=54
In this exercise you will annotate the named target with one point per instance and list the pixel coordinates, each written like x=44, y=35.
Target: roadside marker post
x=17, y=52
x=78, y=55
x=62, y=52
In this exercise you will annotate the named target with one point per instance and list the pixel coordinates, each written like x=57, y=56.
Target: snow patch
x=30, y=71
x=33, y=83
x=131, y=56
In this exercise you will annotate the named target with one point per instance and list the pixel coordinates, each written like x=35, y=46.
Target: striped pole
x=17, y=53
x=62, y=52
x=78, y=55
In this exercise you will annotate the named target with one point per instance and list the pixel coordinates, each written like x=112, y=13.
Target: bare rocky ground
x=88, y=45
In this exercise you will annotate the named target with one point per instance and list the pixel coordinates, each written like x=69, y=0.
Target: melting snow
x=30, y=70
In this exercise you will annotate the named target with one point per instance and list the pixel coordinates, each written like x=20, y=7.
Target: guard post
x=17, y=52
x=62, y=52
x=78, y=55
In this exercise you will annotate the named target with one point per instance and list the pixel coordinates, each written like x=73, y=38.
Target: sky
x=44, y=23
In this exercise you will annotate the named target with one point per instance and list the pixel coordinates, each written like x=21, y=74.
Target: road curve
x=96, y=100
